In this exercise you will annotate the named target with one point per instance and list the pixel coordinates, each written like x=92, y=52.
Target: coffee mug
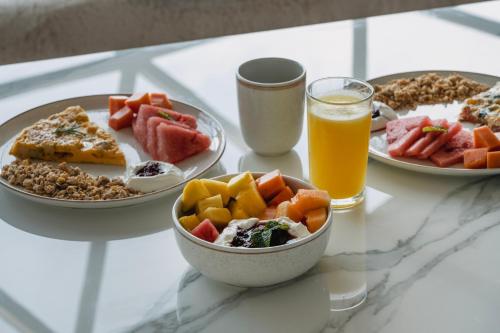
x=271, y=104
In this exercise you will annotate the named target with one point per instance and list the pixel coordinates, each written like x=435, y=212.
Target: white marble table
x=426, y=247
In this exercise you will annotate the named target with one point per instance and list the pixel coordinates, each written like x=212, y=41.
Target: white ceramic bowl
x=256, y=267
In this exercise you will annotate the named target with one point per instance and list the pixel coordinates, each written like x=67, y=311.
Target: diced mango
x=215, y=201
x=193, y=192
x=484, y=137
x=239, y=183
x=315, y=219
x=189, y=222
x=236, y=211
x=217, y=187
x=251, y=201
x=270, y=184
x=220, y=217
x=493, y=159
x=286, y=208
x=285, y=195
x=306, y=200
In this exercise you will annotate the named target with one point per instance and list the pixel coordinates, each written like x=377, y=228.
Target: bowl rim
x=241, y=250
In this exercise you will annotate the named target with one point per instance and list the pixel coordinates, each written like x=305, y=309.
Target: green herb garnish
x=69, y=130
x=165, y=115
x=428, y=129
x=262, y=237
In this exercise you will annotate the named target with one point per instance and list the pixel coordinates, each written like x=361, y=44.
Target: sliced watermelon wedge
x=206, y=231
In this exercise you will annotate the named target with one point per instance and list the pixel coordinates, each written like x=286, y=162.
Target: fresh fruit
x=397, y=128
x=285, y=195
x=215, y=201
x=136, y=100
x=189, y=222
x=194, y=191
x=424, y=141
x=121, y=119
x=250, y=200
x=236, y=211
x=217, y=187
x=220, y=217
x=268, y=213
x=270, y=184
x=286, y=208
x=307, y=200
x=399, y=147
x=160, y=99
x=483, y=137
x=440, y=141
x=152, y=137
x=115, y=103
x=177, y=143
x=315, y=219
x=206, y=231
x=239, y=183
x=493, y=159
x=475, y=158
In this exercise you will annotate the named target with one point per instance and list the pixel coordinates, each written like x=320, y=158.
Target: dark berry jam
x=150, y=169
x=261, y=235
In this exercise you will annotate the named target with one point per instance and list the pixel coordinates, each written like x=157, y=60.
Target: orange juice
x=339, y=132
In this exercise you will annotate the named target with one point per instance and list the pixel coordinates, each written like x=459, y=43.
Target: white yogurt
x=386, y=114
x=297, y=230
x=169, y=175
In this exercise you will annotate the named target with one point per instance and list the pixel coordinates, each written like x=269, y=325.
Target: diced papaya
x=220, y=217
x=136, y=100
x=217, y=187
x=251, y=201
x=315, y=219
x=268, y=213
x=270, y=184
x=160, y=99
x=193, y=192
x=189, y=222
x=484, y=137
x=493, y=159
x=115, y=103
x=285, y=195
x=239, y=183
x=121, y=119
x=306, y=200
x=215, y=201
x=286, y=208
x=236, y=211
x=475, y=158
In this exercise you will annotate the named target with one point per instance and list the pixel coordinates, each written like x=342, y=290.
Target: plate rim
x=375, y=154
x=85, y=203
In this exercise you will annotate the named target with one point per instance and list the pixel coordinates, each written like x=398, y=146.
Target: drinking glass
x=339, y=119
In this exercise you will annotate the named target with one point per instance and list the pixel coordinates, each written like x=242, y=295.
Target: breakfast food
x=151, y=176
x=244, y=210
x=68, y=136
x=63, y=181
x=483, y=108
x=381, y=115
x=429, y=88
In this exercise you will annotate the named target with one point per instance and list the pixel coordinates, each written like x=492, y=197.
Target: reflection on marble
x=289, y=163
x=349, y=265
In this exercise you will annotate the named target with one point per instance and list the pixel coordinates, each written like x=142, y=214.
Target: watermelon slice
x=440, y=141
x=186, y=119
x=397, y=128
x=453, y=151
x=424, y=141
x=151, y=140
x=176, y=143
x=206, y=231
x=399, y=147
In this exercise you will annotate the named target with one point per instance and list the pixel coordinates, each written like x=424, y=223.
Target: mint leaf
x=428, y=129
x=165, y=115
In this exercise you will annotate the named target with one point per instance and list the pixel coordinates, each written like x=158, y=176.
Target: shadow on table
x=91, y=224
x=289, y=163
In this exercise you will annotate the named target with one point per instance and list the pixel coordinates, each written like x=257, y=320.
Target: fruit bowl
x=252, y=267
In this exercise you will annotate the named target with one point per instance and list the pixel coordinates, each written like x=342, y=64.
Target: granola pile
x=63, y=181
x=429, y=88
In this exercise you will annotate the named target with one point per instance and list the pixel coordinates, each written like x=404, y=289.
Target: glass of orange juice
x=339, y=119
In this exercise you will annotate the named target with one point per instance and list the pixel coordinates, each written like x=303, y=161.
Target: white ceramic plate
x=378, y=143
x=97, y=109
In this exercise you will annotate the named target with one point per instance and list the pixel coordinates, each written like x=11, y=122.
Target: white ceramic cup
x=271, y=103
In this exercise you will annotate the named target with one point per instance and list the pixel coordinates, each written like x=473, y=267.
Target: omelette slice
x=68, y=136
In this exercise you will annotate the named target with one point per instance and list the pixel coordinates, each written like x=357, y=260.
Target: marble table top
x=424, y=248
